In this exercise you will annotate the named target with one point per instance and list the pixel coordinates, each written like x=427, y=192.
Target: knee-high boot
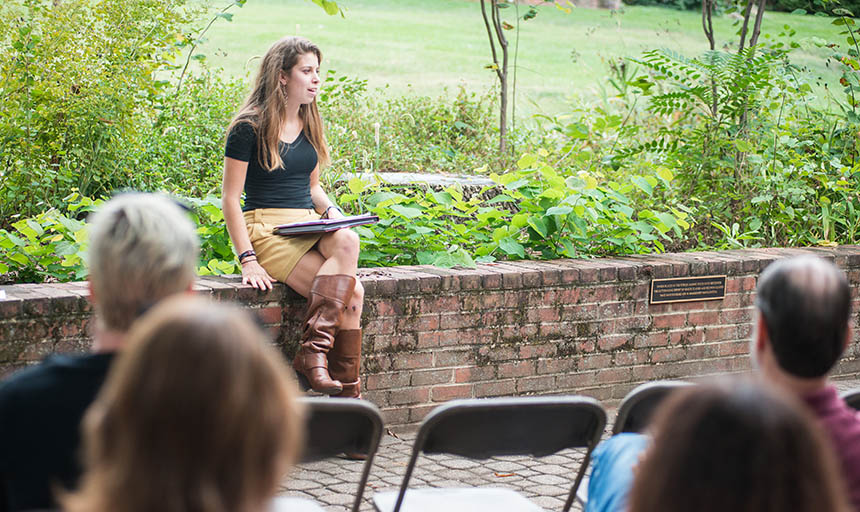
x=344, y=362
x=326, y=304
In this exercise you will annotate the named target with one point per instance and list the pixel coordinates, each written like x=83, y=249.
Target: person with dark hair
x=802, y=327
x=736, y=448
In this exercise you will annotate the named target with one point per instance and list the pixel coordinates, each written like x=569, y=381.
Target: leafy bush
x=74, y=79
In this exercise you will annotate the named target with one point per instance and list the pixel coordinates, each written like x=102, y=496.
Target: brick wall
x=514, y=328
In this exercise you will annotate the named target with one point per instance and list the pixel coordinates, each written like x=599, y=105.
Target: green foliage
x=370, y=132
x=72, y=79
x=49, y=246
x=539, y=213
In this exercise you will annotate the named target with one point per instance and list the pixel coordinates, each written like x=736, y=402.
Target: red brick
x=670, y=321
x=552, y=329
x=662, y=355
x=575, y=381
x=474, y=373
x=612, y=341
x=536, y=384
x=429, y=377
x=443, y=358
x=447, y=338
x=386, y=380
x=686, y=336
x=633, y=323
x=459, y=320
x=409, y=396
x=417, y=413
x=429, y=340
x=528, y=330
x=379, y=326
x=611, y=375
x=735, y=348
x=736, y=316
x=515, y=369
x=396, y=416
x=723, y=333
x=411, y=360
x=595, y=361
x=629, y=358
x=704, y=318
x=542, y=314
x=481, y=301
x=556, y=365
x=450, y=392
x=495, y=388
x=271, y=315
x=500, y=353
x=444, y=304
x=657, y=339
x=533, y=351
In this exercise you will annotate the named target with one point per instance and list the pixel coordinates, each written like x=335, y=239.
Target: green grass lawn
x=428, y=46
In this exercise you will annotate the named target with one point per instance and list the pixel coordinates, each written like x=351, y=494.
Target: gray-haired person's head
x=142, y=248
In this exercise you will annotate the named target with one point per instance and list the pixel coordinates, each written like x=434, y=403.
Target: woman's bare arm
x=231, y=193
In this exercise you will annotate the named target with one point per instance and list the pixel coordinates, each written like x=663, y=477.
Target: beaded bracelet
x=249, y=252
x=325, y=213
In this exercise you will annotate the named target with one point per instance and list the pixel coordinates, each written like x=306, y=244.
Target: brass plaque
x=687, y=289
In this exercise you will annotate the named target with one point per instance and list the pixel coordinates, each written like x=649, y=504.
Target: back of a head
x=142, y=248
x=806, y=305
x=198, y=414
x=736, y=447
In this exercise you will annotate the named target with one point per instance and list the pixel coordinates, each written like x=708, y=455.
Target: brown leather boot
x=344, y=362
x=326, y=304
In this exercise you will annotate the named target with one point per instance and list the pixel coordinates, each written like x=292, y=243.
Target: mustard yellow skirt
x=279, y=254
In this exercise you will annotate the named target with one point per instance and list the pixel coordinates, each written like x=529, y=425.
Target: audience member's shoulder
x=53, y=372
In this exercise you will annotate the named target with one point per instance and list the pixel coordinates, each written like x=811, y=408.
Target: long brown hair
x=740, y=448
x=199, y=414
x=265, y=108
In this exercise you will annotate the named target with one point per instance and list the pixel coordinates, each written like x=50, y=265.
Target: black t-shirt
x=285, y=187
x=40, y=414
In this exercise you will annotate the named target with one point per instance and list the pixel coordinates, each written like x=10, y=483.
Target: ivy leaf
x=225, y=15
x=559, y=210
x=643, y=184
x=510, y=246
x=406, y=211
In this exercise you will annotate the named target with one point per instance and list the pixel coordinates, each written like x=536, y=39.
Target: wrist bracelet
x=249, y=252
x=325, y=213
x=248, y=260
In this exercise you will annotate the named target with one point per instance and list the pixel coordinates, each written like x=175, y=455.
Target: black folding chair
x=635, y=413
x=482, y=428
x=852, y=398
x=342, y=425
x=638, y=406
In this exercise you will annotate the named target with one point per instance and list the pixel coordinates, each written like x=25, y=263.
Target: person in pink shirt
x=802, y=328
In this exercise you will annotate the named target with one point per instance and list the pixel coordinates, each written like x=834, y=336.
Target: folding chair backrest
x=342, y=425
x=482, y=428
x=852, y=398
x=537, y=426
x=636, y=409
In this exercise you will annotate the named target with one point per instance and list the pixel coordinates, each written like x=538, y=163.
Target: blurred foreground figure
x=199, y=414
x=142, y=248
x=736, y=447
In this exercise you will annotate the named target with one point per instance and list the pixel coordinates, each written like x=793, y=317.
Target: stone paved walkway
x=546, y=480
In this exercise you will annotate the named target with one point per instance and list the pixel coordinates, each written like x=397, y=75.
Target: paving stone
x=460, y=463
x=551, y=480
